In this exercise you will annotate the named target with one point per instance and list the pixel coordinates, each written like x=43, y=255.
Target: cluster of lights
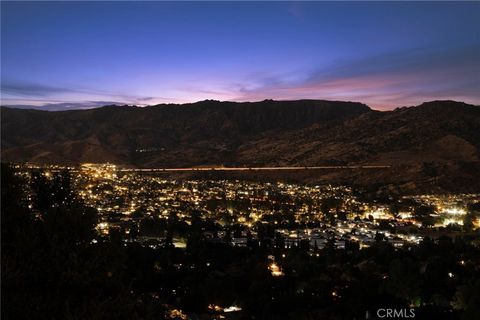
x=229, y=309
x=275, y=270
x=123, y=198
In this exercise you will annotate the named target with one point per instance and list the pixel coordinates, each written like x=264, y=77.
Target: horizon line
x=78, y=106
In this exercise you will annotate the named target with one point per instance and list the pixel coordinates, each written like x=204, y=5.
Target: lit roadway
x=252, y=168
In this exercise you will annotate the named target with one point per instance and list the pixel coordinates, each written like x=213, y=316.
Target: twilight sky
x=63, y=55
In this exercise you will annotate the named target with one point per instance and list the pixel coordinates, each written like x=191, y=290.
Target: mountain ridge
x=434, y=143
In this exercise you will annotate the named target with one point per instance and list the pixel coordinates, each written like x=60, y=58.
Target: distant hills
x=433, y=147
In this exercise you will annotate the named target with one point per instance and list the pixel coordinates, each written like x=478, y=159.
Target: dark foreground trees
x=51, y=269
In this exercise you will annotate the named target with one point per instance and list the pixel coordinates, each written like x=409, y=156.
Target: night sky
x=63, y=55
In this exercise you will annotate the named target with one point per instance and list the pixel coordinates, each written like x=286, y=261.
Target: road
x=253, y=168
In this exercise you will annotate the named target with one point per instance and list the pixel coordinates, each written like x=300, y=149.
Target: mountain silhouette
x=431, y=147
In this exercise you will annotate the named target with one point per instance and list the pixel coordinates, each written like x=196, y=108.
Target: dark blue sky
x=385, y=54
